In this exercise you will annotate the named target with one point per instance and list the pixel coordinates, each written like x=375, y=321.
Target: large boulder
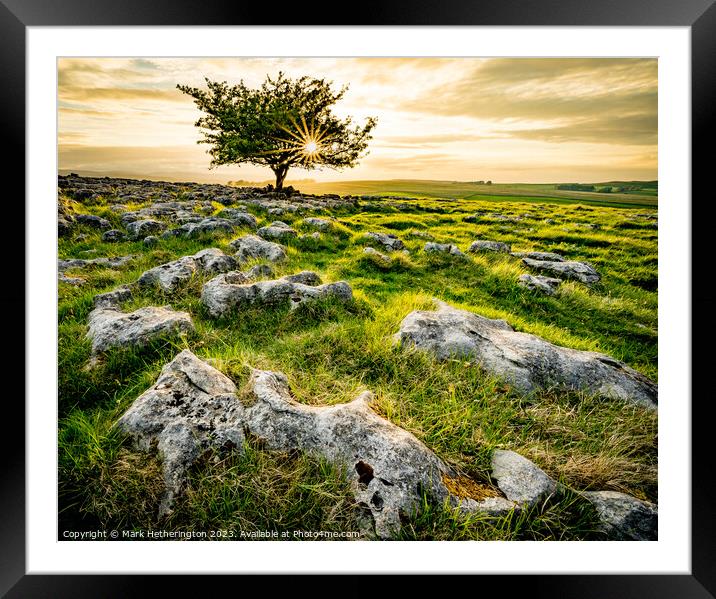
x=251, y=247
x=528, y=362
x=231, y=293
x=623, y=517
x=580, y=271
x=389, y=241
x=173, y=274
x=109, y=327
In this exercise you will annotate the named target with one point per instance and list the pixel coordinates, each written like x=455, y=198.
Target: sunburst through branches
x=307, y=143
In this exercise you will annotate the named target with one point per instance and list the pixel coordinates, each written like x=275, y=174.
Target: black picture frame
x=699, y=15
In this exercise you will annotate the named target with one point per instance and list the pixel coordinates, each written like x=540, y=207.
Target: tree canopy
x=284, y=123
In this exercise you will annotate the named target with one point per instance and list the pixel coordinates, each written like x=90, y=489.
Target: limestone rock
x=113, y=235
x=221, y=296
x=373, y=252
x=251, y=247
x=173, y=274
x=150, y=241
x=141, y=228
x=318, y=223
x=481, y=245
x=528, y=362
x=443, y=248
x=112, y=299
x=547, y=256
x=277, y=230
x=191, y=407
x=109, y=327
x=580, y=271
x=519, y=479
x=623, y=517
x=239, y=217
x=546, y=285
x=389, y=241
x=117, y=262
x=90, y=220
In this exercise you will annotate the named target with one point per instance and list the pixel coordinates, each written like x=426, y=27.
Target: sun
x=307, y=141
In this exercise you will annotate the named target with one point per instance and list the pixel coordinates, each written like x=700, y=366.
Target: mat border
x=699, y=15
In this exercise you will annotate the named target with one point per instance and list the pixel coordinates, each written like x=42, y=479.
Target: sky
x=509, y=120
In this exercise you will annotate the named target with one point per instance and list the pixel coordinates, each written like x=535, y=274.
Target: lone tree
x=284, y=123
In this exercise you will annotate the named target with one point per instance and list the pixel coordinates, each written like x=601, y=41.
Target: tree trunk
x=280, y=172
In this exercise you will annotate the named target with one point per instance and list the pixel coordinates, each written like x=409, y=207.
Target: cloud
x=119, y=94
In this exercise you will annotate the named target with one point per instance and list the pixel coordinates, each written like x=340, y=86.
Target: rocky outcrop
x=202, y=226
x=230, y=293
x=546, y=256
x=579, y=271
x=117, y=262
x=90, y=220
x=277, y=230
x=318, y=223
x=168, y=277
x=546, y=285
x=113, y=236
x=251, y=247
x=528, y=362
x=109, y=327
x=389, y=241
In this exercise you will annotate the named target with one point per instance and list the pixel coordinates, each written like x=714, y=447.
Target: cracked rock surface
x=172, y=274
x=110, y=327
x=251, y=247
x=482, y=245
x=547, y=285
x=230, y=293
x=528, y=362
x=277, y=230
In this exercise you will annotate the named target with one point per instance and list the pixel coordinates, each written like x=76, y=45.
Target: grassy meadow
x=331, y=352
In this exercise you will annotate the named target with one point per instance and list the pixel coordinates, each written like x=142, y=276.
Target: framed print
x=402, y=296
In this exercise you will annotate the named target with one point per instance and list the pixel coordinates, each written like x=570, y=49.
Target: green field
x=645, y=196
x=330, y=352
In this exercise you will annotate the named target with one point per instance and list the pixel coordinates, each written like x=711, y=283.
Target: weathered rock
x=251, y=247
x=142, y=228
x=172, y=274
x=150, y=240
x=239, y=217
x=222, y=297
x=580, y=271
x=547, y=256
x=112, y=299
x=520, y=480
x=473, y=218
x=277, y=230
x=386, y=466
x=109, y=327
x=117, y=262
x=488, y=246
x=90, y=220
x=63, y=278
x=389, y=241
x=623, y=517
x=373, y=252
x=206, y=226
x=528, y=362
x=64, y=226
x=113, y=236
x=492, y=506
x=442, y=248
x=546, y=285
x=318, y=223
x=190, y=408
